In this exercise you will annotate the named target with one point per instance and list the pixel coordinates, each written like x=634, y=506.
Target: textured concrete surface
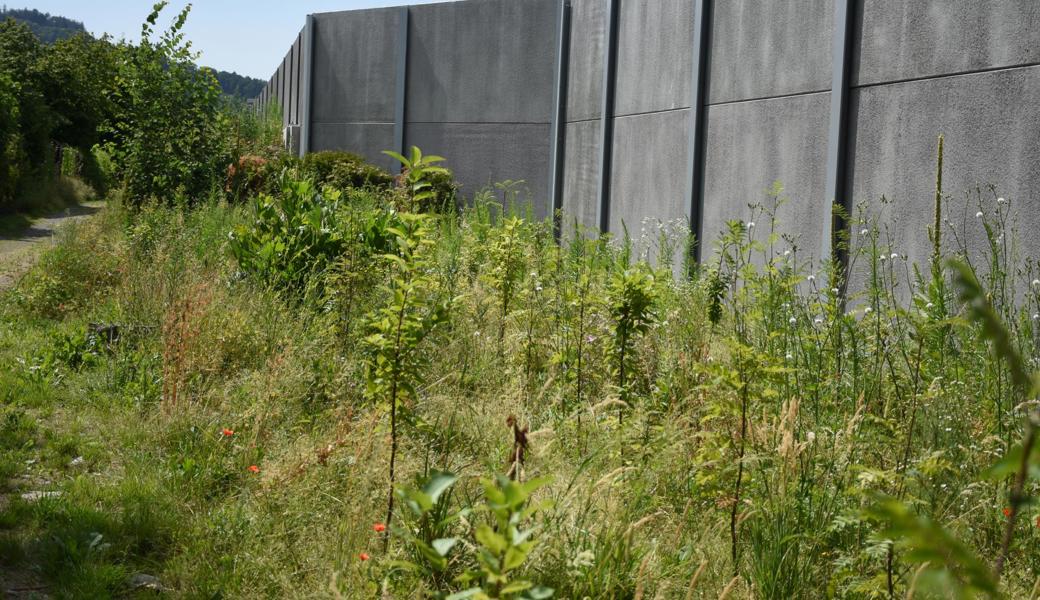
x=285, y=74
x=483, y=61
x=585, y=76
x=655, y=38
x=647, y=180
x=990, y=138
x=482, y=154
x=901, y=39
x=355, y=54
x=480, y=83
x=751, y=145
x=294, y=96
x=367, y=139
x=581, y=174
x=761, y=49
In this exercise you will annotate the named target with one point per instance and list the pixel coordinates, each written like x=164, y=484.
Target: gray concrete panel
x=904, y=39
x=648, y=182
x=367, y=139
x=581, y=175
x=294, y=95
x=482, y=154
x=751, y=145
x=585, y=77
x=653, y=69
x=283, y=74
x=769, y=48
x=354, y=57
x=991, y=137
x=484, y=61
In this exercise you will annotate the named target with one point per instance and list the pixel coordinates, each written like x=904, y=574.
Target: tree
x=169, y=133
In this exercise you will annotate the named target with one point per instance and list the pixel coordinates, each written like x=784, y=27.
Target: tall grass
x=764, y=413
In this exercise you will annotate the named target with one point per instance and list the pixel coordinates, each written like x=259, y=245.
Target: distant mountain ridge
x=52, y=28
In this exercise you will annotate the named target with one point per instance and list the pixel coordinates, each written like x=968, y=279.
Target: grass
x=41, y=198
x=721, y=436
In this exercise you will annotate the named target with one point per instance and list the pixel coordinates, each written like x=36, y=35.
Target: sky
x=248, y=37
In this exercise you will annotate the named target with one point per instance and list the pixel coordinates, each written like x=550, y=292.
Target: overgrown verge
x=230, y=398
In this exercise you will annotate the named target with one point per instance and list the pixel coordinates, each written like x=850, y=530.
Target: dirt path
x=17, y=253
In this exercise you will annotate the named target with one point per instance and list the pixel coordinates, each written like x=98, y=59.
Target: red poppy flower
x=226, y=432
x=363, y=556
x=254, y=469
x=379, y=527
x=1007, y=512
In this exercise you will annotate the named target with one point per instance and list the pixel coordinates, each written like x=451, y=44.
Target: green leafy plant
x=394, y=362
x=632, y=296
x=294, y=235
x=425, y=184
x=504, y=545
x=342, y=170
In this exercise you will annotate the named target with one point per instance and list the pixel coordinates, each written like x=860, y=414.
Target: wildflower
x=363, y=556
x=864, y=232
x=978, y=215
x=818, y=321
x=792, y=320
x=226, y=432
x=1036, y=283
x=1036, y=316
x=789, y=356
x=894, y=256
x=810, y=437
x=254, y=469
x=1007, y=512
x=379, y=527
x=868, y=310
x=929, y=305
x=811, y=278
x=834, y=291
x=1001, y=201
x=787, y=253
x=750, y=224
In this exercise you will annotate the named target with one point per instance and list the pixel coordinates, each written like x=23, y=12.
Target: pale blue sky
x=245, y=36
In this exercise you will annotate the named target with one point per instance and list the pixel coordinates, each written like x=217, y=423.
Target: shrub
x=342, y=170
x=294, y=235
x=170, y=130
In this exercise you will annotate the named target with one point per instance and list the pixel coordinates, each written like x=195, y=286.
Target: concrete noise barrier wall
x=617, y=112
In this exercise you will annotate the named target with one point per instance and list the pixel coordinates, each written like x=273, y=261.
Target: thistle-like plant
x=414, y=307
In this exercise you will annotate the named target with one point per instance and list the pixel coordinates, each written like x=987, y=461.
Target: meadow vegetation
x=253, y=375
x=332, y=391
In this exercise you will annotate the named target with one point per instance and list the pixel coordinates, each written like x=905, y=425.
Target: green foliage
x=426, y=185
x=294, y=235
x=170, y=133
x=342, y=170
x=414, y=306
x=504, y=544
x=500, y=546
x=632, y=296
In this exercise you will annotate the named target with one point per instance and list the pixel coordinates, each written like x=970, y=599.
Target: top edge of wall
x=406, y=5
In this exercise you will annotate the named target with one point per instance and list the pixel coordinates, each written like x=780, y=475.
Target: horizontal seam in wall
x=763, y=98
x=651, y=112
x=476, y=123
x=947, y=75
x=638, y=114
x=352, y=122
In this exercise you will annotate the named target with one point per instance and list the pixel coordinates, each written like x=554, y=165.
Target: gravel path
x=17, y=253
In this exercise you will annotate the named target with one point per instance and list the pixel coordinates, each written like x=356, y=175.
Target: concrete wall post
x=307, y=68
